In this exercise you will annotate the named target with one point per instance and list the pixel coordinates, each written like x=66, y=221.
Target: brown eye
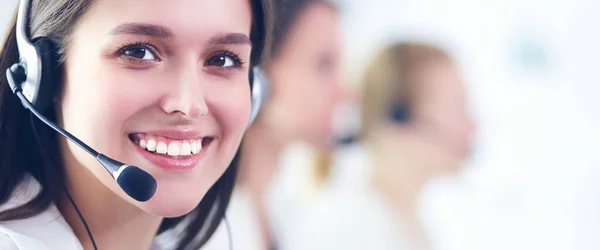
x=223, y=60
x=219, y=61
x=139, y=52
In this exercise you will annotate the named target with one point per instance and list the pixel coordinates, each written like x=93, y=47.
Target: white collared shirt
x=45, y=231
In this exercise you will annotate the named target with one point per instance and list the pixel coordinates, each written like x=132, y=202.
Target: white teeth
x=173, y=149
x=194, y=147
x=199, y=147
x=185, y=149
x=161, y=148
x=143, y=143
x=151, y=145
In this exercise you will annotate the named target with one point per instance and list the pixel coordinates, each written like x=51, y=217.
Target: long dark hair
x=21, y=155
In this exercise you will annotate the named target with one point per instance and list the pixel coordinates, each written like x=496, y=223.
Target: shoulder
x=351, y=167
x=355, y=221
x=6, y=241
x=350, y=214
x=245, y=230
x=11, y=240
x=47, y=230
x=37, y=239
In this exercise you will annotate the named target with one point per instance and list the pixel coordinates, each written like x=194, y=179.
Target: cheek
x=320, y=102
x=302, y=95
x=301, y=101
x=232, y=113
x=97, y=102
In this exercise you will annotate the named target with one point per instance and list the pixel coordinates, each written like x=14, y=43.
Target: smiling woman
x=148, y=83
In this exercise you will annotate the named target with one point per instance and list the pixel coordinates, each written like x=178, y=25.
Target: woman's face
x=305, y=77
x=162, y=85
x=441, y=110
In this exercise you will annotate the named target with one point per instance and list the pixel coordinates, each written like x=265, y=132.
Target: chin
x=321, y=141
x=171, y=202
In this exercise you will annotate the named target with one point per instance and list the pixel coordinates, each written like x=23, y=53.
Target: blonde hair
x=322, y=167
x=391, y=79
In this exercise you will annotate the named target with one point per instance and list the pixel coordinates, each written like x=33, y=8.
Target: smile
x=170, y=153
x=167, y=146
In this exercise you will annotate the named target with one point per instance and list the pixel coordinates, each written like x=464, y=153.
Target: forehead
x=317, y=18
x=441, y=83
x=186, y=18
x=318, y=14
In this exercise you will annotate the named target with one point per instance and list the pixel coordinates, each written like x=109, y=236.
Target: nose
x=347, y=94
x=185, y=95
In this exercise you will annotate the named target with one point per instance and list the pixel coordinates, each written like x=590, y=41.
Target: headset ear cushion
x=259, y=91
x=50, y=73
x=251, y=78
x=399, y=113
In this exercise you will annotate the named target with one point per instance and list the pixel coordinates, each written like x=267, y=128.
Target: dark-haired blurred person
x=415, y=126
x=304, y=90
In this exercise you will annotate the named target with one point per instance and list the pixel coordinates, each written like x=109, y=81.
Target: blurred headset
x=399, y=112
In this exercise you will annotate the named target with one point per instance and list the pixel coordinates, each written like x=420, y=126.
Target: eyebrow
x=142, y=29
x=231, y=38
x=164, y=32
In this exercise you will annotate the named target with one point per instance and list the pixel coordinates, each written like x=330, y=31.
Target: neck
x=258, y=163
x=113, y=222
x=259, y=159
x=400, y=172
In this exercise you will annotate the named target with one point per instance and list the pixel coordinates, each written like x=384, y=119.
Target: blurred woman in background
x=304, y=90
x=414, y=126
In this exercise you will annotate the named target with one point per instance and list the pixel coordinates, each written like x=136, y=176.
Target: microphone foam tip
x=137, y=183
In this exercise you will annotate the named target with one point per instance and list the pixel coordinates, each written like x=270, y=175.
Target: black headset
x=35, y=80
x=399, y=112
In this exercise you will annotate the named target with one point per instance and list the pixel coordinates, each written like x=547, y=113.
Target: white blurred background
x=531, y=70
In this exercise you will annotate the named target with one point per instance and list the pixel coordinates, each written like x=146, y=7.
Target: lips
x=170, y=153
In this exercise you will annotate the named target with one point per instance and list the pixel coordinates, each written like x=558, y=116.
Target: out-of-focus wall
x=530, y=67
x=530, y=71
x=7, y=8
